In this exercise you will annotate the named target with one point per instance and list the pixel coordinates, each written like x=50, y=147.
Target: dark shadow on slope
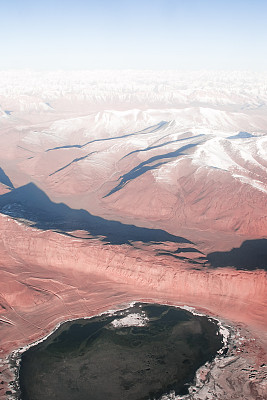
x=143, y=132
x=72, y=162
x=187, y=250
x=251, y=255
x=144, y=166
x=31, y=203
x=241, y=135
x=198, y=261
x=5, y=179
x=160, y=145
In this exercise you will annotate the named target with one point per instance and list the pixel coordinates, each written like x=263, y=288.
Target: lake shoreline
x=245, y=365
x=14, y=359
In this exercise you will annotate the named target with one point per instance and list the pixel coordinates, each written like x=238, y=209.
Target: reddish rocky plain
x=149, y=188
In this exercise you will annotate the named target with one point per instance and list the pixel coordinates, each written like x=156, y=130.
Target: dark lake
x=139, y=353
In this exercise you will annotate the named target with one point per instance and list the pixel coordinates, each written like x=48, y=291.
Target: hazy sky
x=138, y=34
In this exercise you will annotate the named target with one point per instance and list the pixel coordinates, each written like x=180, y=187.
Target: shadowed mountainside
x=150, y=129
x=72, y=162
x=31, y=203
x=149, y=165
x=252, y=254
x=5, y=179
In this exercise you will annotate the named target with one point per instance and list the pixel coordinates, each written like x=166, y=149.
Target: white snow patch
x=164, y=173
x=252, y=182
x=212, y=154
x=134, y=319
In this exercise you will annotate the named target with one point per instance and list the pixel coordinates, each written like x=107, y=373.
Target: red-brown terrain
x=152, y=196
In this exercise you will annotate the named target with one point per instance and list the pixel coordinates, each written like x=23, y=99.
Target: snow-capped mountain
x=177, y=148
